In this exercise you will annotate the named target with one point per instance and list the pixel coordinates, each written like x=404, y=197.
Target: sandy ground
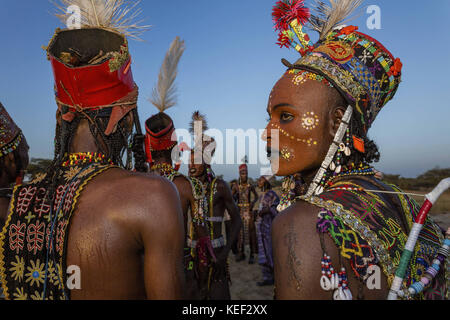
x=245, y=276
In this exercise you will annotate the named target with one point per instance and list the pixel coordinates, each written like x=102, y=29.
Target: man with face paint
x=244, y=191
x=348, y=228
x=218, y=199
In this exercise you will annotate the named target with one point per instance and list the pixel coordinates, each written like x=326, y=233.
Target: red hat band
x=96, y=81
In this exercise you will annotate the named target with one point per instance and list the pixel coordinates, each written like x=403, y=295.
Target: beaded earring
x=332, y=281
x=335, y=167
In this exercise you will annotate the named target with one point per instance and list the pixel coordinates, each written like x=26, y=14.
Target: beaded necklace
x=75, y=159
x=165, y=169
x=201, y=202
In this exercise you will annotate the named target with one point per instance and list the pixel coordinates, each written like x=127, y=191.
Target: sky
x=230, y=65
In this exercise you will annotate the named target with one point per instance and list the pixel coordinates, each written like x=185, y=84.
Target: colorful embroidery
x=366, y=228
x=34, y=237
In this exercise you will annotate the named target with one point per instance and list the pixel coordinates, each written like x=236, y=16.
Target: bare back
x=126, y=240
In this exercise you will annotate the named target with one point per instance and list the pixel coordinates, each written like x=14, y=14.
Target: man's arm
x=162, y=234
x=184, y=188
x=255, y=197
x=235, y=223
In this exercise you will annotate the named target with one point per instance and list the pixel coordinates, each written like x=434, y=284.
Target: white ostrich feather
x=164, y=94
x=327, y=17
x=119, y=15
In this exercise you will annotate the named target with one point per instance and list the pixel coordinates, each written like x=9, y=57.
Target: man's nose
x=264, y=135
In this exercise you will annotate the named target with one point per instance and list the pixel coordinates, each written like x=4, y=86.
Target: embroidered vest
x=372, y=228
x=33, y=244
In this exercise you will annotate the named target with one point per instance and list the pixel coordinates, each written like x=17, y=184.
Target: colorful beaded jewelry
x=431, y=272
x=165, y=169
x=11, y=146
x=288, y=194
x=75, y=159
x=300, y=76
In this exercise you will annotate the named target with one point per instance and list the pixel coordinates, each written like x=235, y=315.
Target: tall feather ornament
x=196, y=118
x=326, y=17
x=164, y=94
x=119, y=15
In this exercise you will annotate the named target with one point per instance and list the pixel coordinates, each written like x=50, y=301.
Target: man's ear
x=335, y=119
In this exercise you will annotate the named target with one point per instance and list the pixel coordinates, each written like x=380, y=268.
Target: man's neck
x=83, y=141
x=203, y=178
x=161, y=161
x=308, y=175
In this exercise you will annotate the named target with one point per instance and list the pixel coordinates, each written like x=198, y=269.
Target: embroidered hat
x=92, y=64
x=10, y=134
x=358, y=66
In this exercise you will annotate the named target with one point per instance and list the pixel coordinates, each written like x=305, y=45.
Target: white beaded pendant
x=325, y=283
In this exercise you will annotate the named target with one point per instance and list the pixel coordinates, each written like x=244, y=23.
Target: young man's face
x=261, y=182
x=195, y=169
x=243, y=174
x=299, y=109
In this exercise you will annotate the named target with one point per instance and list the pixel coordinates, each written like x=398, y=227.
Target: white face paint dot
x=310, y=121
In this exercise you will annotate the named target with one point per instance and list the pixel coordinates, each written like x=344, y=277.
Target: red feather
x=286, y=11
x=283, y=40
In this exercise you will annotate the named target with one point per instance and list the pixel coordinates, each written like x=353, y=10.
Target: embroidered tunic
x=372, y=229
x=268, y=203
x=33, y=244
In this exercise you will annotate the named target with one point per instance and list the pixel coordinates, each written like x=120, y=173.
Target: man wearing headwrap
x=218, y=199
x=162, y=150
x=244, y=192
x=348, y=221
x=88, y=217
x=267, y=211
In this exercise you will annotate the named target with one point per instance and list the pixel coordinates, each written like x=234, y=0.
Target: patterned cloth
x=372, y=229
x=33, y=244
x=268, y=205
x=10, y=134
x=360, y=67
x=247, y=235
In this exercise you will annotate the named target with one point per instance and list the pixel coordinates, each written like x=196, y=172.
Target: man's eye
x=285, y=117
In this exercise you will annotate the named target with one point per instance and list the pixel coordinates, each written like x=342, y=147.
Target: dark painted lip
x=272, y=152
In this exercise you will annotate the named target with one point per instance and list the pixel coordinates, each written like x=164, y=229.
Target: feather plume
x=287, y=10
x=119, y=15
x=164, y=95
x=198, y=117
x=326, y=17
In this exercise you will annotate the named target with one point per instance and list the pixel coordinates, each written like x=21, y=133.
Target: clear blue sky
x=230, y=65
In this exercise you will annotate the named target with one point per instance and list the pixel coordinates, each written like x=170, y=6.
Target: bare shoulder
x=133, y=195
x=182, y=183
x=222, y=184
x=297, y=252
x=295, y=216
